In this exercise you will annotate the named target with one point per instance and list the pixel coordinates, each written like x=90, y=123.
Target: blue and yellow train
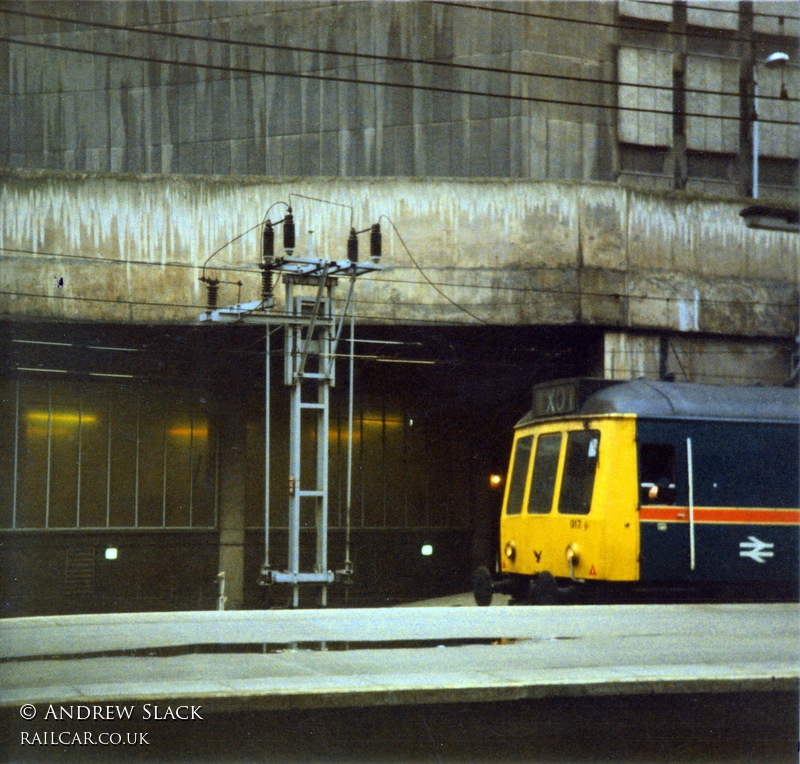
x=642, y=485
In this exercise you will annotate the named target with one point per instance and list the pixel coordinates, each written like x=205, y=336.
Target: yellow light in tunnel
x=359, y=424
x=199, y=431
x=342, y=433
x=61, y=417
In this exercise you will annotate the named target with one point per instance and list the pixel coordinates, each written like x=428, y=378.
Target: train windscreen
x=519, y=474
x=579, y=471
x=545, y=468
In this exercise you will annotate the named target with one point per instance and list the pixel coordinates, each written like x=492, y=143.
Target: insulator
x=352, y=246
x=266, y=281
x=213, y=291
x=268, y=242
x=288, y=231
x=375, y=238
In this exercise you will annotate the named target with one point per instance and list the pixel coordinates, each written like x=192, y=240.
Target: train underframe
x=545, y=589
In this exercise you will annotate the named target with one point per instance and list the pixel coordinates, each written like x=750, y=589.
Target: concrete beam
x=131, y=249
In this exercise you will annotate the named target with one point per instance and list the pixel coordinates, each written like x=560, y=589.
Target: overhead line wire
x=110, y=260
x=685, y=350
x=426, y=280
x=379, y=83
x=417, y=305
x=620, y=297
x=441, y=361
x=425, y=275
x=464, y=361
x=373, y=57
x=201, y=308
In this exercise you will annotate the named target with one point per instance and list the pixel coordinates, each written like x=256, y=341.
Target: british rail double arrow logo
x=756, y=549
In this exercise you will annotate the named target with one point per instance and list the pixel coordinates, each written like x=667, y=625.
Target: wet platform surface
x=427, y=683
x=334, y=658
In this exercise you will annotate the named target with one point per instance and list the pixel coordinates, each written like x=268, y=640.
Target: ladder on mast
x=311, y=330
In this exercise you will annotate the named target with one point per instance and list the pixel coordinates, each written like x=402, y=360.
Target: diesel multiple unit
x=649, y=483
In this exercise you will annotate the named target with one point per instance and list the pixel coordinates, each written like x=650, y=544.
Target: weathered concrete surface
x=352, y=90
x=131, y=248
x=42, y=636
x=711, y=360
x=249, y=113
x=534, y=653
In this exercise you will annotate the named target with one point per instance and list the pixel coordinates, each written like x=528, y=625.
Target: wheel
x=482, y=586
x=543, y=590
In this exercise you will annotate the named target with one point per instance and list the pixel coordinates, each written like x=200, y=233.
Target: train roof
x=673, y=400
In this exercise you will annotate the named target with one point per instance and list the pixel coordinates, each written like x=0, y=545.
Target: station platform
x=435, y=682
x=333, y=658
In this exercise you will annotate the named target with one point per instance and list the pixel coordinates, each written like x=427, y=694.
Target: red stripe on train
x=720, y=515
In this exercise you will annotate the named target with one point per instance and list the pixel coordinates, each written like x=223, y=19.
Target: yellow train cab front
x=570, y=506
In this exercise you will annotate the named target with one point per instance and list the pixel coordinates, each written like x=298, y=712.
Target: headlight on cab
x=571, y=554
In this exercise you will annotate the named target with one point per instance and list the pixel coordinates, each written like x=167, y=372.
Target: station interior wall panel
x=110, y=441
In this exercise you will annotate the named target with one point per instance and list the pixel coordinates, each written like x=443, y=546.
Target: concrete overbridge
x=643, y=266
x=485, y=288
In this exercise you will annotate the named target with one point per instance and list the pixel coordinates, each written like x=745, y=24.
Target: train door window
x=545, y=467
x=580, y=466
x=519, y=475
x=657, y=473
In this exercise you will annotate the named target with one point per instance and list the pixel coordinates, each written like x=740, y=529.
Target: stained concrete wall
x=519, y=90
x=712, y=360
x=131, y=248
x=243, y=109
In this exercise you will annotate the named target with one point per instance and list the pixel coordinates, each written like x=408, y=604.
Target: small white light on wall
x=427, y=550
x=111, y=553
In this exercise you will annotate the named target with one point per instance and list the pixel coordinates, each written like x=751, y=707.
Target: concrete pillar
x=689, y=357
x=630, y=356
x=747, y=90
x=680, y=168
x=232, y=475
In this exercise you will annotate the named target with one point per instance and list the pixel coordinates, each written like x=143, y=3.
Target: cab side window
x=580, y=466
x=545, y=467
x=519, y=475
x=657, y=473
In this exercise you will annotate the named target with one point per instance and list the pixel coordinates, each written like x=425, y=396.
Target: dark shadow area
x=760, y=727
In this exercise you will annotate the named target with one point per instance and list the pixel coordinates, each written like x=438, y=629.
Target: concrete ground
x=624, y=683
